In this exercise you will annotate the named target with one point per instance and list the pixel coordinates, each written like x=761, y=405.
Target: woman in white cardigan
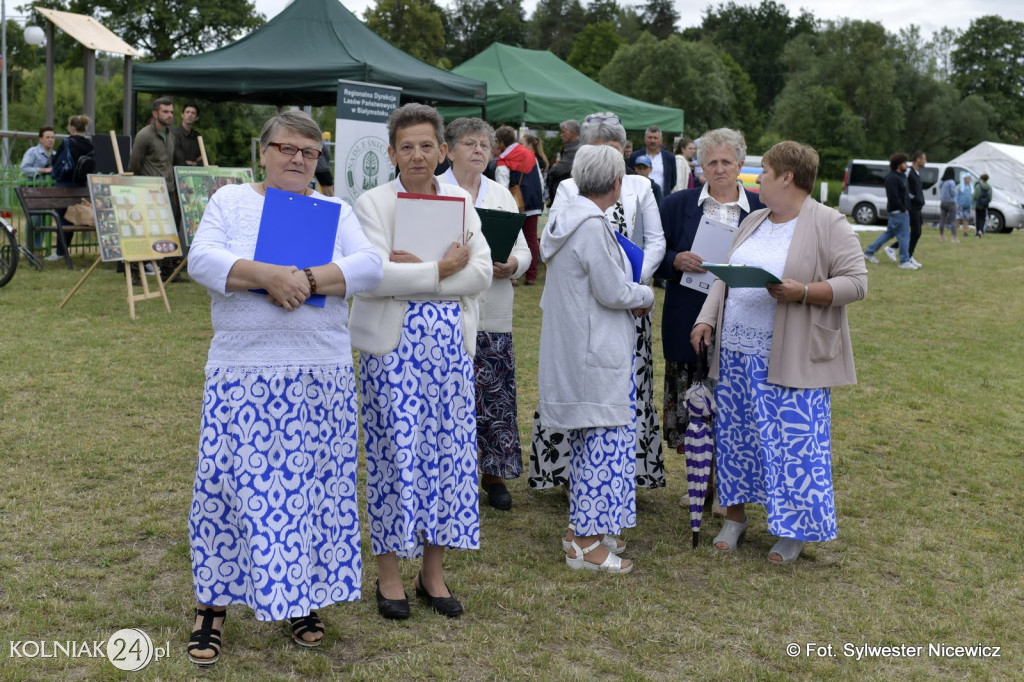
x=416, y=333
x=635, y=215
x=497, y=430
x=585, y=371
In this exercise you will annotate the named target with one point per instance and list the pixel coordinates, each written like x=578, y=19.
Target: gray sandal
x=787, y=549
x=730, y=535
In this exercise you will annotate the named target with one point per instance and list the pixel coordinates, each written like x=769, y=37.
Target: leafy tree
x=989, y=61
x=631, y=24
x=555, y=25
x=755, y=36
x=602, y=10
x=849, y=71
x=474, y=24
x=677, y=73
x=746, y=115
x=940, y=50
x=174, y=27
x=659, y=18
x=414, y=26
x=594, y=48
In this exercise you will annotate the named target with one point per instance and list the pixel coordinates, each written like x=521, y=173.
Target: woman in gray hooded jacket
x=586, y=360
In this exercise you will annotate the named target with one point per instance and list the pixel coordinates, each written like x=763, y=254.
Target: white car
x=863, y=195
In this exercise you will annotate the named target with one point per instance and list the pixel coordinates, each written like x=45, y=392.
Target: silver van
x=863, y=195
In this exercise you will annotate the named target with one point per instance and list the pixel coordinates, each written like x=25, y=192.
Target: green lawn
x=98, y=435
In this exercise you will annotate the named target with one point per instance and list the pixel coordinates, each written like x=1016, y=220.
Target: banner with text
x=361, y=141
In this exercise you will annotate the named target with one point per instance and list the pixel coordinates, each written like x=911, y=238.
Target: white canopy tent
x=1004, y=164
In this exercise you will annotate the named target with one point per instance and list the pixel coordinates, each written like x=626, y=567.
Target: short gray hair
x=294, y=120
x=598, y=129
x=596, y=168
x=572, y=125
x=722, y=137
x=412, y=114
x=460, y=127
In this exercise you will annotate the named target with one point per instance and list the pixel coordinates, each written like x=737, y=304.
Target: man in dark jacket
x=917, y=162
x=897, y=198
x=570, y=132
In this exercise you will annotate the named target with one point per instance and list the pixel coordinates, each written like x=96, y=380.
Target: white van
x=863, y=195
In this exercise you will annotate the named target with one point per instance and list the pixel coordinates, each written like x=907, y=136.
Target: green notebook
x=741, y=276
x=500, y=228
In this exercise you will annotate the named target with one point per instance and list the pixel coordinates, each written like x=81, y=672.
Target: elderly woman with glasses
x=634, y=214
x=497, y=429
x=274, y=523
x=416, y=336
x=585, y=368
x=722, y=199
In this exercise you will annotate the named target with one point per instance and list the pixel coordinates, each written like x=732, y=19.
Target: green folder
x=741, y=276
x=501, y=228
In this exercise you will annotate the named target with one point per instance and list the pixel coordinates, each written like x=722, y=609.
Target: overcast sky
x=930, y=15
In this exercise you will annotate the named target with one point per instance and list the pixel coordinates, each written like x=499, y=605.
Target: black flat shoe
x=392, y=609
x=498, y=496
x=446, y=606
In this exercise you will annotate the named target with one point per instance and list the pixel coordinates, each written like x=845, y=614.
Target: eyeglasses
x=598, y=118
x=473, y=144
x=291, y=150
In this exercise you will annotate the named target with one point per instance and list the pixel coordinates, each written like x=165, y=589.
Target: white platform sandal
x=609, y=541
x=612, y=564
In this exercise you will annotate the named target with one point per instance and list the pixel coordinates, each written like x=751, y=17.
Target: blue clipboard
x=634, y=254
x=297, y=230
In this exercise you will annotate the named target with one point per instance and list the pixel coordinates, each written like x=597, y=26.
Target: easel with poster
x=135, y=224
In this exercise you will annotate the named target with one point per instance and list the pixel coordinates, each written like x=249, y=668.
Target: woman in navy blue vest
x=722, y=198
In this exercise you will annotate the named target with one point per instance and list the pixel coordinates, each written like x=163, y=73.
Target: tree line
x=849, y=88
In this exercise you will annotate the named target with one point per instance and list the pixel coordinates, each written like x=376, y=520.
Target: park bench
x=52, y=201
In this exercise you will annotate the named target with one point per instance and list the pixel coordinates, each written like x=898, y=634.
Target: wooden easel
x=184, y=261
x=132, y=296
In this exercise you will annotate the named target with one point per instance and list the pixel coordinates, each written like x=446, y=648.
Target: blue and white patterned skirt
x=602, y=489
x=274, y=522
x=419, y=421
x=774, y=448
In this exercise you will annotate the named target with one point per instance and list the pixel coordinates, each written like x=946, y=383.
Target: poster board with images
x=134, y=219
x=196, y=184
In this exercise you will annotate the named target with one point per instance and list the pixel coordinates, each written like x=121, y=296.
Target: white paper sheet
x=711, y=243
x=426, y=225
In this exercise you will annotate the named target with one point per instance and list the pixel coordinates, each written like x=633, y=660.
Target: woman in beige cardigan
x=778, y=351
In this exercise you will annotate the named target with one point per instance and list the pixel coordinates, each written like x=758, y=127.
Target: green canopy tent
x=297, y=58
x=536, y=87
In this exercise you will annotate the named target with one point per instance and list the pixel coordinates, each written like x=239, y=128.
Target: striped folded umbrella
x=699, y=447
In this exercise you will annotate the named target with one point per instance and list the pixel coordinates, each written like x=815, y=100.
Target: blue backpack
x=63, y=165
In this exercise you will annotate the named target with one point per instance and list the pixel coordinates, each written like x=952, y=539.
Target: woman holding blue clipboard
x=585, y=371
x=274, y=523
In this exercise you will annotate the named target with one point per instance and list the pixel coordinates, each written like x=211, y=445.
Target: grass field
x=98, y=435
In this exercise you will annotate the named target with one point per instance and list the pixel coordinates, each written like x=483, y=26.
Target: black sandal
x=301, y=626
x=206, y=636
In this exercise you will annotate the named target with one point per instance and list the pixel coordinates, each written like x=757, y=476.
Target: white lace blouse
x=249, y=332
x=749, y=317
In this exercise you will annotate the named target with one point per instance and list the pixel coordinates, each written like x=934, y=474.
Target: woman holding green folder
x=778, y=351
x=497, y=431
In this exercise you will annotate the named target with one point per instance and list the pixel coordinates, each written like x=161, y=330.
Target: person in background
x=982, y=198
x=964, y=204
x=897, y=203
x=663, y=163
x=497, y=428
x=585, y=367
x=37, y=162
x=917, y=162
x=627, y=151
x=533, y=143
x=153, y=155
x=947, y=205
x=642, y=166
x=562, y=168
x=778, y=351
x=80, y=145
x=323, y=173
x=186, y=138
x=724, y=199
x=684, y=152
x=518, y=170
x=634, y=215
x=416, y=337
x=274, y=523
